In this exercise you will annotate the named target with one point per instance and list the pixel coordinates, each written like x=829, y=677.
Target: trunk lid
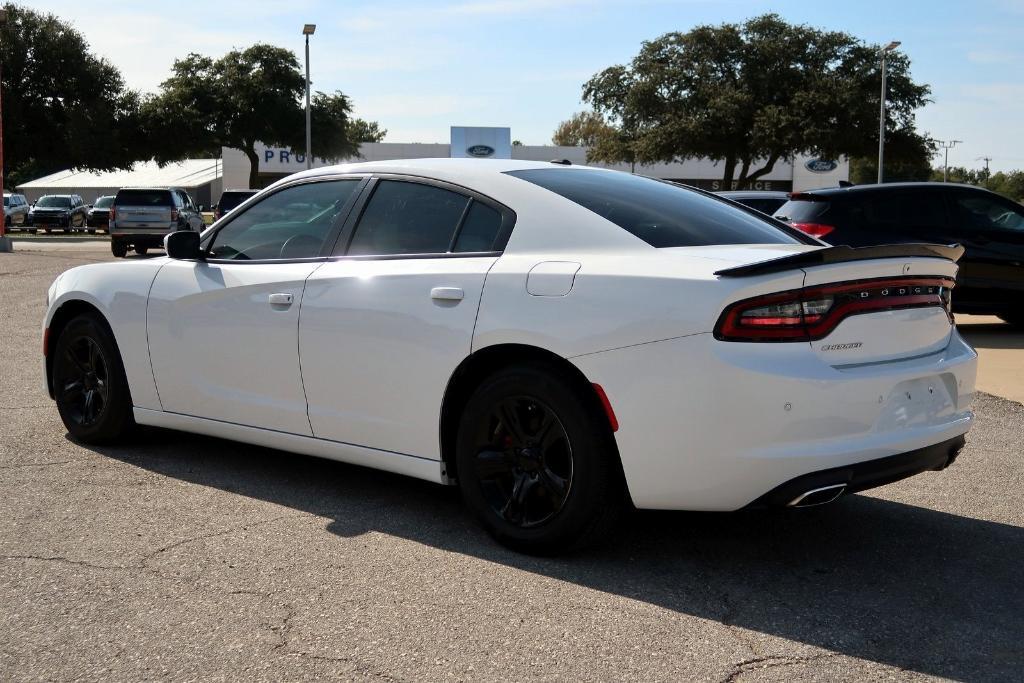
x=885, y=335
x=855, y=306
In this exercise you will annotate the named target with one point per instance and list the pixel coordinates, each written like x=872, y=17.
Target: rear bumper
x=865, y=475
x=140, y=238
x=706, y=425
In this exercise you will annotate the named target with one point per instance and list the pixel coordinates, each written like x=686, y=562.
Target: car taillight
x=174, y=214
x=112, y=212
x=814, y=312
x=814, y=229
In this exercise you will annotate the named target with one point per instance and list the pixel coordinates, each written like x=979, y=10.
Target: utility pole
x=947, y=145
x=5, y=241
x=986, y=160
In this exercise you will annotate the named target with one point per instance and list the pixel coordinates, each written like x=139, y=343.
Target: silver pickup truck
x=142, y=216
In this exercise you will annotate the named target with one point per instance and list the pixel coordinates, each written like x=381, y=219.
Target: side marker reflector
x=606, y=404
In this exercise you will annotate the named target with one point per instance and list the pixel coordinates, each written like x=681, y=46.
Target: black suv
x=229, y=201
x=64, y=211
x=990, y=227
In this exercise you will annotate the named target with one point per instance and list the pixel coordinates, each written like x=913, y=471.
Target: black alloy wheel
x=524, y=462
x=89, y=383
x=84, y=387
x=536, y=460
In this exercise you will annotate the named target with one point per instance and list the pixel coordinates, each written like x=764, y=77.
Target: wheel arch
x=476, y=367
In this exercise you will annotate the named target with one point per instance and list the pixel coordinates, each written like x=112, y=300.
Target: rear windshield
x=54, y=201
x=229, y=200
x=103, y=202
x=802, y=210
x=143, y=198
x=661, y=214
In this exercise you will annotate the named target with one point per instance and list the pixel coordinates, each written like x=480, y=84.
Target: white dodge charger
x=557, y=341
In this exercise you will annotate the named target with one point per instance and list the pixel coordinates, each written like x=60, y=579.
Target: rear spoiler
x=845, y=254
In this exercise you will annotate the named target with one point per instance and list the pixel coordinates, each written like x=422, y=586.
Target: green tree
x=365, y=131
x=62, y=106
x=248, y=96
x=604, y=142
x=752, y=94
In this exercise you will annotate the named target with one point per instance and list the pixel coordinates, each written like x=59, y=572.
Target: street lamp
x=881, y=115
x=5, y=244
x=308, y=30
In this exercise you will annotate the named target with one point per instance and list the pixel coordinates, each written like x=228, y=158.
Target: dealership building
x=204, y=179
x=496, y=143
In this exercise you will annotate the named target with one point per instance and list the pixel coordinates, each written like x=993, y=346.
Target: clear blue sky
x=419, y=67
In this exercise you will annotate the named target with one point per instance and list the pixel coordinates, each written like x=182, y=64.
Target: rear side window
x=979, y=212
x=143, y=198
x=480, y=229
x=659, y=213
x=895, y=210
x=408, y=218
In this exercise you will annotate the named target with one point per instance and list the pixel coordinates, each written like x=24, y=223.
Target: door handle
x=447, y=293
x=280, y=299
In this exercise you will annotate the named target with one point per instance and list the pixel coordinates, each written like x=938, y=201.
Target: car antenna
x=563, y=162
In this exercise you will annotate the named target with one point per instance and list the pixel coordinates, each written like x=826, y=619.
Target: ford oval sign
x=480, y=151
x=820, y=165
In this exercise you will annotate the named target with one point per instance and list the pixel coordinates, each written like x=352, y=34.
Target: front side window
x=988, y=213
x=408, y=218
x=661, y=214
x=292, y=223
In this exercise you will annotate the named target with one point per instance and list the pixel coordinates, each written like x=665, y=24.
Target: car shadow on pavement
x=992, y=335
x=926, y=591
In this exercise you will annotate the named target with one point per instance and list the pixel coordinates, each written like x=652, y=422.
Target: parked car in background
x=765, y=201
x=989, y=226
x=98, y=217
x=16, y=212
x=229, y=199
x=555, y=340
x=66, y=212
x=141, y=217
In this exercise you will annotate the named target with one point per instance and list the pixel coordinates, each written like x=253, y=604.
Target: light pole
x=5, y=242
x=308, y=30
x=881, y=113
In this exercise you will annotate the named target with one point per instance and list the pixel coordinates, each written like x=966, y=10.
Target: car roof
x=885, y=187
x=454, y=170
x=240, y=190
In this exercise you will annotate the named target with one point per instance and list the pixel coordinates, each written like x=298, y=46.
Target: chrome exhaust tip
x=818, y=496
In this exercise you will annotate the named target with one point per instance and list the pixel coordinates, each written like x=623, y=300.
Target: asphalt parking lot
x=189, y=557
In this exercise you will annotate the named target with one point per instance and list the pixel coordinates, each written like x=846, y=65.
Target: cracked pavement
x=186, y=557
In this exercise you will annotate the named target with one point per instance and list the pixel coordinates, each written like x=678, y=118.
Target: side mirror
x=183, y=244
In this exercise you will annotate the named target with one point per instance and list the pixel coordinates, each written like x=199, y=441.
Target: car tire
x=48, y=231
x=552, y=481
x=32, y=231
x=89, y=383
x=141, y=251
x=1013, y=318
x=92, y=231
x=118, y=249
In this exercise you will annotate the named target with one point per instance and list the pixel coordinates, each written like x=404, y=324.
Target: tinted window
x=766, y=206
x=895, y=210
x=659, y=213
x=229, y=200
x=7, y=201
x=479, y=230
x=103, y=202
x=55, y=202
x=289, y=224
x=978, y=212
x=408, y=218
x=143, y=198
